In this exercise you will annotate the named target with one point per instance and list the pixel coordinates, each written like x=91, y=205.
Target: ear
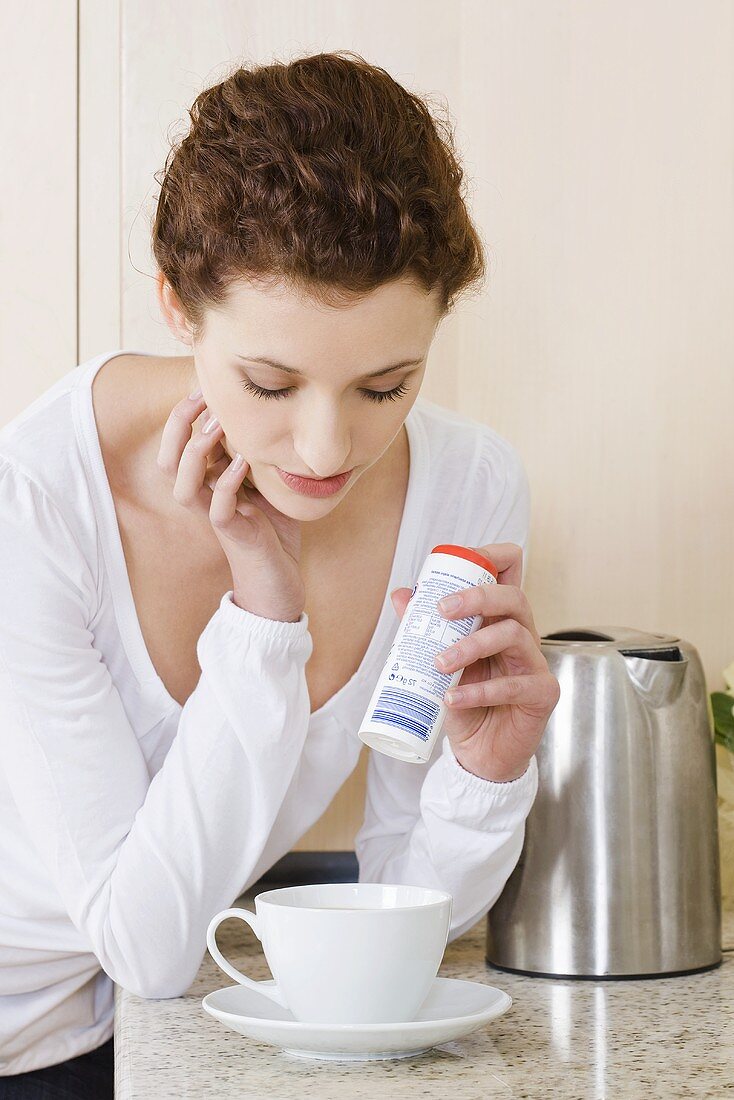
x=172, y=310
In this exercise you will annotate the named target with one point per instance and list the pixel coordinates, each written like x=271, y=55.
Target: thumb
x=400, y=598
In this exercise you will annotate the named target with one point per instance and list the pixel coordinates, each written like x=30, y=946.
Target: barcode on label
x=411, y=712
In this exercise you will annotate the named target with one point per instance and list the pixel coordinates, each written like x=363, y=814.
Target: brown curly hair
x=323, y=173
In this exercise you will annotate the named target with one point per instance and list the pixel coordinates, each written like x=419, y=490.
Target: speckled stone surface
x=569, y=1040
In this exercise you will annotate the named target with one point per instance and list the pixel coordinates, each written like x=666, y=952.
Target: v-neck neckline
x=122, y=595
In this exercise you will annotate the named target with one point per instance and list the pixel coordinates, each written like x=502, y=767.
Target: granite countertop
x=569, y=1040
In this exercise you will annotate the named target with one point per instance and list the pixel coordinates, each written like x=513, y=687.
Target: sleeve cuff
x=233, y=633
x=258, y=624
x=510, y=796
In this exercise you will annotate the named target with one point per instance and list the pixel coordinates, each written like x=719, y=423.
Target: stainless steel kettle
x=619, y=872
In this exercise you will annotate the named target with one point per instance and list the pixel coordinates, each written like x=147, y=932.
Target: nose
x=323, y=446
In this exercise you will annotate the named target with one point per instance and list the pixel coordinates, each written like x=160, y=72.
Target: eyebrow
x=293, y=370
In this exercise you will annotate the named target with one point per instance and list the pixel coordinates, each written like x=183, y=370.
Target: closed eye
x=377, y=396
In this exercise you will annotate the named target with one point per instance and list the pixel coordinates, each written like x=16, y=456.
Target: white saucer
x=452, y=1008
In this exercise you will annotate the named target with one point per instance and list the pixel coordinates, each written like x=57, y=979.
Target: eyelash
x=378, y=396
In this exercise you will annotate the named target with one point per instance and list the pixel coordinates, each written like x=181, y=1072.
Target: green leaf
x=722, y=704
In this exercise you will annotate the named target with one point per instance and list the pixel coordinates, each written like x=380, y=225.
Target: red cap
x=469, y=554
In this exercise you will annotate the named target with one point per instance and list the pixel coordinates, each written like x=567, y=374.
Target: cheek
x=243, y=435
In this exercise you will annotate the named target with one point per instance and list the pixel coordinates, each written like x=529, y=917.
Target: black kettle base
x=603, y=977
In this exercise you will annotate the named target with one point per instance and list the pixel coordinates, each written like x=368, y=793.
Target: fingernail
x=454, y=696
x=237, y=462
x=449, y=603
x=195, y=395
x=211, y=424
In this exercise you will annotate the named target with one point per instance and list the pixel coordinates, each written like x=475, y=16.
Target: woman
x=189, y=631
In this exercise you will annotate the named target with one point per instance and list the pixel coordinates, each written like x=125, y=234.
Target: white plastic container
x=406, y=711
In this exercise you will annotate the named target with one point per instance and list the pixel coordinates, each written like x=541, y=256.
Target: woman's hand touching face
x=261, y=544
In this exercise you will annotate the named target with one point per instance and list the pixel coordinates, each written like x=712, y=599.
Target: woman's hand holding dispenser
x=507, y=690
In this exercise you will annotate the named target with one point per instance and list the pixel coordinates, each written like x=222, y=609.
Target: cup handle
x=269, y=988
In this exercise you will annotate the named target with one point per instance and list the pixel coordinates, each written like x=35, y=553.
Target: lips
x=315, y=487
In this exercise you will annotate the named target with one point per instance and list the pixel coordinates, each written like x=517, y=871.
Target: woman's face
x=329, y=417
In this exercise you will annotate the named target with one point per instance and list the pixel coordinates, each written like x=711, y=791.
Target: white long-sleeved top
x=126, y=820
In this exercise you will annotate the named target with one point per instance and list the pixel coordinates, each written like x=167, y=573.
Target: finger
x=217, y=467
x=189, y=488
x=507, y=556
x=536, y=692
x=177, y=432
x=493, y=601
x=508, y=637
x=228, y=514
x=399, y=598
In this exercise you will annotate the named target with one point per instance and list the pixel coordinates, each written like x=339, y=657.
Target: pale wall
x=598, y=138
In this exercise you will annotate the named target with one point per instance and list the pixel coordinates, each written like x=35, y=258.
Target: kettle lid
x=623, y=638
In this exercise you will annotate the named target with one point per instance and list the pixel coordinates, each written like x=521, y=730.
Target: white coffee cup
x=346, y=952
